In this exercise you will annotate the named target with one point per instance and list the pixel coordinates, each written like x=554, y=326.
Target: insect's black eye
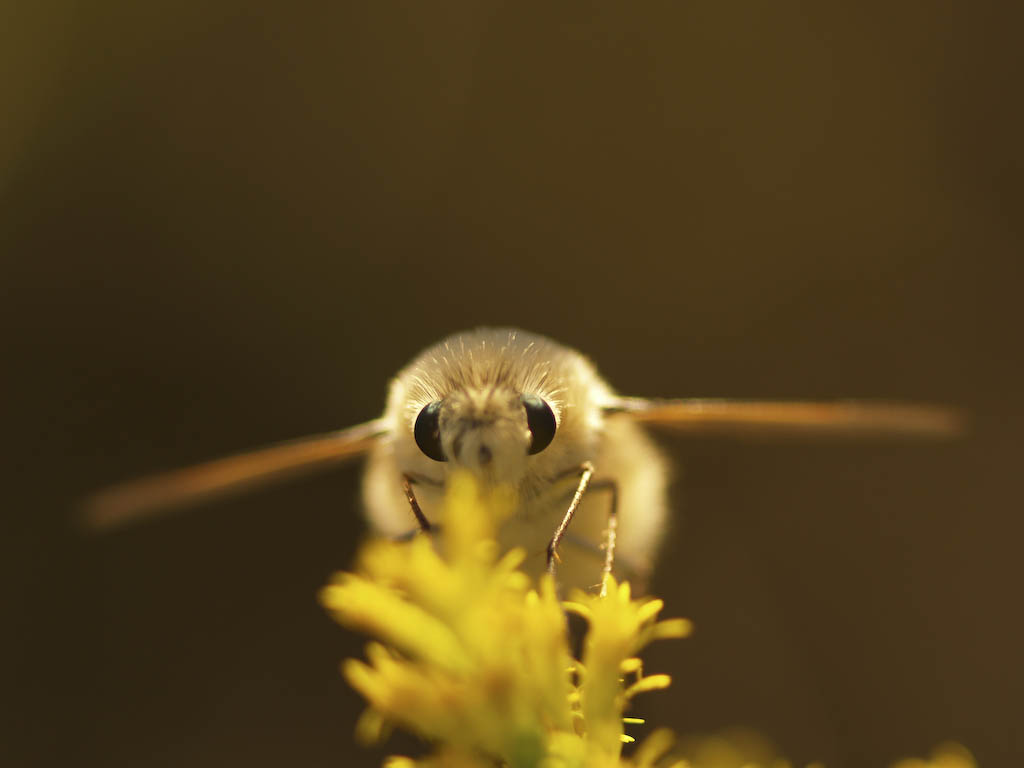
x=541, y=421
x=428, y=432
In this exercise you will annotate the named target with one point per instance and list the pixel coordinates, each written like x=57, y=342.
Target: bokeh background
x=225, y=224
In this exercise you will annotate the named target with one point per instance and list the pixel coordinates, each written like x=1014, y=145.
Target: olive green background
x=225, y=224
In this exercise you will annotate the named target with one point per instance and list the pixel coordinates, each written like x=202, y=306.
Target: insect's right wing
x=766, y=417
x=148, y=496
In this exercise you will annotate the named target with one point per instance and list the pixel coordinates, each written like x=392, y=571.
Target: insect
x=517, y=408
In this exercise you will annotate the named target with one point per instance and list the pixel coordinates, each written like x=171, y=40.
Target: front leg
x=611, y=532
x=407, y=483
x=586, y=471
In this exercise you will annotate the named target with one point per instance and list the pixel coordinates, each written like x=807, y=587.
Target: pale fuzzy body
x=480, y=376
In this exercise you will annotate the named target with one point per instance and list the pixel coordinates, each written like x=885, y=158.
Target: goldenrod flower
x=948, y=755
x=477, y=661
x=740, y=748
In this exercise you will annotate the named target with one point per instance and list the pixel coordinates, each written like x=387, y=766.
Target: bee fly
x=516, y=408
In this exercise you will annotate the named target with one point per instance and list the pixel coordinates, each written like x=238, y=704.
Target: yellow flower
x=476, y=661
x=947, y=755
x=741, y=748
x=473, y=658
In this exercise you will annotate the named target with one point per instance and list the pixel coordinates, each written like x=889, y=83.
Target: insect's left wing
x=757, y=417
x=147, y=496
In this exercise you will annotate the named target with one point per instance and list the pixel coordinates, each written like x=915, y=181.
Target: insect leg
x=629, y=571
x=611, y=532
x=407, y=482
x=586, y=472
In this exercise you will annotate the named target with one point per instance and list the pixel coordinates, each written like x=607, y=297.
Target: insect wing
x=137, y=499
x=756, y=417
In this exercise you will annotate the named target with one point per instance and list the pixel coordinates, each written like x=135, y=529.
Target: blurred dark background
x=225, y=224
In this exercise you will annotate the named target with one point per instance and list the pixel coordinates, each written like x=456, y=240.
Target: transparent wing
x=137, y=499
x=756, y=417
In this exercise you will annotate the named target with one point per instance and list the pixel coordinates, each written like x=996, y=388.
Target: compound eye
x=427, y=432
x=541, y=421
